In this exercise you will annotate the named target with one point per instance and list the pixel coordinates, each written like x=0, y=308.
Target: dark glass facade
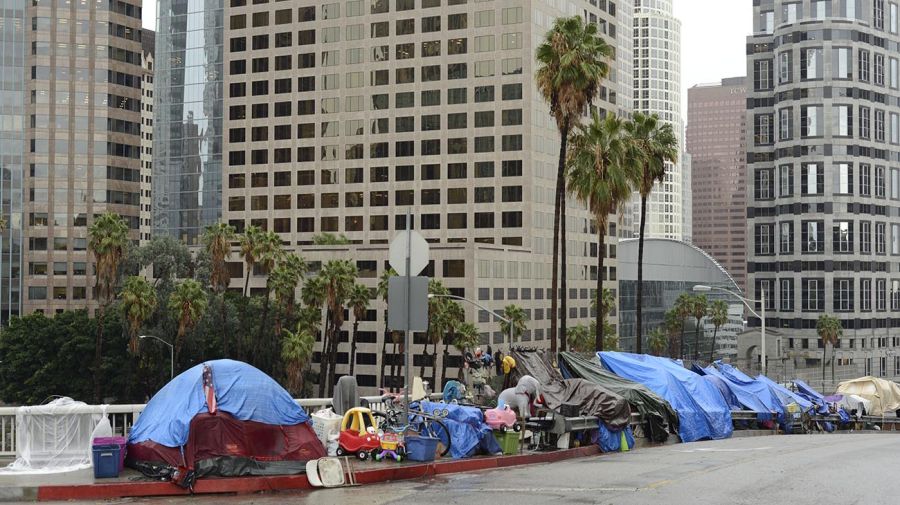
x=187, y=165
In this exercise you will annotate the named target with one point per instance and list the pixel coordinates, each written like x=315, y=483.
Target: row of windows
x=57, y=293
x=353, y=199
x=356, y=175
x=427, y=73
x=379, y=53
x=845, y=237
x=847, y=179
x=812, y=124
x=427, y=24
x=359, y=127
x=380, y=101
x=378, y=150
x=848, y=294
x=454, y=221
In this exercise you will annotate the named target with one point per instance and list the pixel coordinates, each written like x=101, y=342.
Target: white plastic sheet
x=55, y=437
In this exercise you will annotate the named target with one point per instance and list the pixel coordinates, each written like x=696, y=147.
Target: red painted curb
x=245, y=485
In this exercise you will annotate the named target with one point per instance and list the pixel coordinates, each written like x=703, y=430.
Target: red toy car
x=358, y=434
x=501, y=418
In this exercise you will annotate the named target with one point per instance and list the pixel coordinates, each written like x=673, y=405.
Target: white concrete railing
x=123, y=417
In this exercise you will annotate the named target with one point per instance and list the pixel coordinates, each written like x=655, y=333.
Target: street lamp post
x=747, y=302
x=171, y=354
x=482, y=307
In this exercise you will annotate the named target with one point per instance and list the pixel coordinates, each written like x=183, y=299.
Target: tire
x=341, y=451
x=362, y=455
x=502, y=428
x=437, y=429
x=517, y=427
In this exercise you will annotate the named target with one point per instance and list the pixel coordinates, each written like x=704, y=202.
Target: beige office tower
x=83, y=150
x=716, y=141
x=341, y=117
x=147, y=102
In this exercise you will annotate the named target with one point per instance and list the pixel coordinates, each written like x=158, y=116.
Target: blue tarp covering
x=702, y=412
x=241, y=390
x=754, y=395
x=785, y=395
x=468, y=433
x=722, y=387
x=818, y=399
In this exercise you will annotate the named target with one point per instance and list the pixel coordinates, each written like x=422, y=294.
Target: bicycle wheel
x=436, y=429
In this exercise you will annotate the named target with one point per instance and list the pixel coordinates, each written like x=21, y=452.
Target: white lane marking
x=704, y=449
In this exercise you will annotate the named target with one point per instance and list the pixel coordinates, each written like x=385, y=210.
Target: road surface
x=797, y=470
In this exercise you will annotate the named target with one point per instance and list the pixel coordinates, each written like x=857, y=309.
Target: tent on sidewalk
x=702, y=412
x=591, y=398
x=223, y=418
x=660, y=418
x=883, y=394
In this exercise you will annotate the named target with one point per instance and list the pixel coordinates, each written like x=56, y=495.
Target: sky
x=712, y=39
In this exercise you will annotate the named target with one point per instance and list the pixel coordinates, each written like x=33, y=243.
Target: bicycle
x=424, y=423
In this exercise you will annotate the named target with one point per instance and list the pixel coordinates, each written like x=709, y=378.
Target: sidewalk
x=81, y=485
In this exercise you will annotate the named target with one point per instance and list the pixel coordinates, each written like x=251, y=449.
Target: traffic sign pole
x=406, y=341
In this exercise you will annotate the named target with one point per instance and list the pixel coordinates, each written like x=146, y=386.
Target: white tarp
x=55, y=437
x=884, y=394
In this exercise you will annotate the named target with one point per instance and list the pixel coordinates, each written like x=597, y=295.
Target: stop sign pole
x=406, y=342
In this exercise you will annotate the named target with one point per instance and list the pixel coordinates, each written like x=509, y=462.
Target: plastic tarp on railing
x=785, y=395
x=807, y=392
x=468, y=433
x=55, y=437
x=884, y=394
x=641, y=399
x=721, y=386
x=702, y=412
x=755, y=396
x=241, y=390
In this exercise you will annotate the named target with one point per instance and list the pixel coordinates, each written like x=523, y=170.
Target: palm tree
x=188, y=303
x=382, y=292
x=656, y=144
x=516, y=325
x=138, y=303
x=683, y=309
x=437, y=320
x=330, y=239
x=107, y=239
x=718, y=316
x=217, y=240
x=466, y=338
x=455, y=317
x=673, y=326
x=338, y=277
x=285, y=278
x=610, y=341
x=699, y=307
x=249, y=243
x=572, y=60
x=658, y=341
x=268, y=252
x=580, y=339
x=358, y=300
x=830, y=331
x=599, y=176
x=296, y=351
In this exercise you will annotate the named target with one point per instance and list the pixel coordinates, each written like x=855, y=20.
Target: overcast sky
x=712, y=39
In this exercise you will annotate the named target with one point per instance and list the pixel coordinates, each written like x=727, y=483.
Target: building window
x=766, y=22
x=843, y=295
x=880, y=238
x=786, y=237
x=764, y=184
x=881, y=295
x=813, y=237
x=865, y=295
x=843, y=121
x=811, y=121
x=865, y=237
x=787, y=295
x=895, y=294
x=785, y=67
x=863, y=64
x=843, y=64
x=810, y=63
x=842, y=236
x=764, y=239
x=785, y=180
x=785, y=124
x=813, y=295
x=864, y=122
x=895, y=238
x=762, y=129
x=762, y=75
x=879, y=182
x=843, y=179
x=879, y=69
x=812, y=179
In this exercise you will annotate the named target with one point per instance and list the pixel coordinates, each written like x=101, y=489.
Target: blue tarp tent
x=468, y=433
x=721, y=386
x=241, y=390
x=818, y=399
x=702, y=411
x=785, y=395
x=754, y=395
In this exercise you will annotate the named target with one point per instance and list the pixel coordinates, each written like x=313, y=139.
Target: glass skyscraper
x=187, y=148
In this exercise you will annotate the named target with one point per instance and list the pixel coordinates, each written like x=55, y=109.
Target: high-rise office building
x=823, y=130
x=187, y=146
x=148, y=49
x=657, y=90
x=15, y=33
x=717, y=143
x=82, y=140
x=341, y=116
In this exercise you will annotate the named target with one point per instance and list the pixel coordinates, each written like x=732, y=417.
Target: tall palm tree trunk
x=712, y=350
x=563, y=282
x=598, y=340
x=424, y=356
x=383, y=356
x=681, y=342
x=697, y=341
x=557, y=214
x=247, y=280
x=224, y=327
x=824, y=348
x=323, y=358
x=98, y=355
x=353, y=346
x=638, y=329
x=444, y=358
x=332, y=359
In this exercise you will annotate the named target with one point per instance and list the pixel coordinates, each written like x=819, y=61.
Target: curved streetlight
x=747, y=302
x=171, y=354
x=482, y=307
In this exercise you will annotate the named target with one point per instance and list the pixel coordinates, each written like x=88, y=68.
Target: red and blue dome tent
x=223, y=418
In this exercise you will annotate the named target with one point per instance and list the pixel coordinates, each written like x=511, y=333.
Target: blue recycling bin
x=106, y=461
